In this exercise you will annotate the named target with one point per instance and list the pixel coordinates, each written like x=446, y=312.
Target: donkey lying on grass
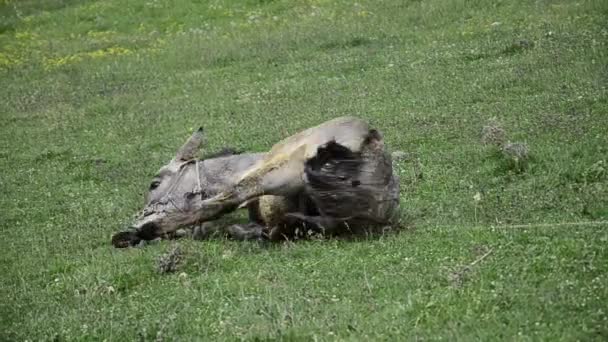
x=332, y=179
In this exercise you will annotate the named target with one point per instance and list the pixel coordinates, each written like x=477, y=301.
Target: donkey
x=334, y=178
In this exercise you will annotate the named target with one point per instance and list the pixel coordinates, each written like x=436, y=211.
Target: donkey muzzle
x=132, y=237
x=125, y=239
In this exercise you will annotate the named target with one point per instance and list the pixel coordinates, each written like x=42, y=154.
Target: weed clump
x=493, y=134
x=169, y=262
x=401, y=156
x=514, y=154
x=460, y=275
x=518, y=46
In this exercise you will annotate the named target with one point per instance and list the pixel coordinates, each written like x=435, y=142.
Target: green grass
x=96, y=96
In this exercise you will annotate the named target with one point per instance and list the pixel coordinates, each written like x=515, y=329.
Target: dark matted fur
x=345, y=187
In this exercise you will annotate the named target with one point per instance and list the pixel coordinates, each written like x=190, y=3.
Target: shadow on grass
x=514, y=48
x=371, y=234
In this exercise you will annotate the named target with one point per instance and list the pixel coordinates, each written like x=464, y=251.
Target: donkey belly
x=272, y=209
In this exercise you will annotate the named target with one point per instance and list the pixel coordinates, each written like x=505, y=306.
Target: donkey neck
x=221, y=173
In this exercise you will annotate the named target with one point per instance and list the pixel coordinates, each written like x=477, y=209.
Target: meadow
x=95, y=96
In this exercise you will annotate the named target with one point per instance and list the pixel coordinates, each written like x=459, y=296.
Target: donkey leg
x=319, y=224
x=248, y=231
x=206, y=230
x=280, y=175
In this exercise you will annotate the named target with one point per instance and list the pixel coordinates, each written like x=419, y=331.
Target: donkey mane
x=224, y=152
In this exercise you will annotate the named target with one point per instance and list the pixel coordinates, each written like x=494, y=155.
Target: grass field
x=97, y=95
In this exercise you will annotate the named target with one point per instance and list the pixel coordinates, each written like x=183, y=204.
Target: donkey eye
x=154, y=185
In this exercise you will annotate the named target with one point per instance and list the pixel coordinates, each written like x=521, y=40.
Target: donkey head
x=174, y=198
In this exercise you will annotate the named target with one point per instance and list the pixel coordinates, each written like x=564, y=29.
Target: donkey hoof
x=125, y=239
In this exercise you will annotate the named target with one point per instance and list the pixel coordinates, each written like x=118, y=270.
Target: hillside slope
x=501, y=241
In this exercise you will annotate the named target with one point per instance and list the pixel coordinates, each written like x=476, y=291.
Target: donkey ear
x=190, y=148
